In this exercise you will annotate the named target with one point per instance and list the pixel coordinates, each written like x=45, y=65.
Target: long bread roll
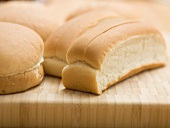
x=96, y=61
x=59, y=42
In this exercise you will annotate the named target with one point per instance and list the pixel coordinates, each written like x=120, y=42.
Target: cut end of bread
x=133, y=56
x=125, y=59
x=80, y=76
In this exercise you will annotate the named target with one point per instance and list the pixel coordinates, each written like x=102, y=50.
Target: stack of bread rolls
x=58, y=43
x=91, y=50
x=96, y=50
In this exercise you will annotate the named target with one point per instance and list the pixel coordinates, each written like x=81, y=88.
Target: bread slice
x=98, y=62
x=59, y=42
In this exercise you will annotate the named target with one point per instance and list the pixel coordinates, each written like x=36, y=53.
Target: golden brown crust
x=73, y=80
x=20, y=48
x=94, y=50
x=80, y=77
x=59, y=42
x=22, y=81
x=80, y=45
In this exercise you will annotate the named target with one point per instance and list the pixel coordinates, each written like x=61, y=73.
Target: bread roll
x=21, y=55
x=97, y=60
x=148, y=12
x=58, y=43
x=87, y=7
x=36, y=16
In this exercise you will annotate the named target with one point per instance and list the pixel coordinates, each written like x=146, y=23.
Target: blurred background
x=156, y=12
x=57, y=12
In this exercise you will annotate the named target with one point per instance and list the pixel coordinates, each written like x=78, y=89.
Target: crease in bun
x=30, y=69
x=21, y=57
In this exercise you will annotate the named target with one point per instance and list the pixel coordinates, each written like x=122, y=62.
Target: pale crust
x=53, y=66
x=94, y=51
x=21, y=82
x=71, y=77
x=20, y=48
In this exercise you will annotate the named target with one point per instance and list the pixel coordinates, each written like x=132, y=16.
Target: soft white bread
x=97, y=62
x=58, y=43
x=21, y=55
x=34, y=15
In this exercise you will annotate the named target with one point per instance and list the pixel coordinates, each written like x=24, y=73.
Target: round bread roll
x=36, y=16
x=21, y=51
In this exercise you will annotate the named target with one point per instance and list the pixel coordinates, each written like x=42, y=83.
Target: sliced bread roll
x=21, y=55
x=59, y=42
x=97, y=61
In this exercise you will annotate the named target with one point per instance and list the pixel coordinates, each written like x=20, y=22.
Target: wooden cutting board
x=140, y=101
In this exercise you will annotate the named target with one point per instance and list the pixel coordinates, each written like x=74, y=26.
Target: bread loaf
x=59, y=42
x=21, y=55
x=107, y=54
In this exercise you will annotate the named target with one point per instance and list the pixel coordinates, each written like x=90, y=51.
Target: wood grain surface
x=142, y=101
